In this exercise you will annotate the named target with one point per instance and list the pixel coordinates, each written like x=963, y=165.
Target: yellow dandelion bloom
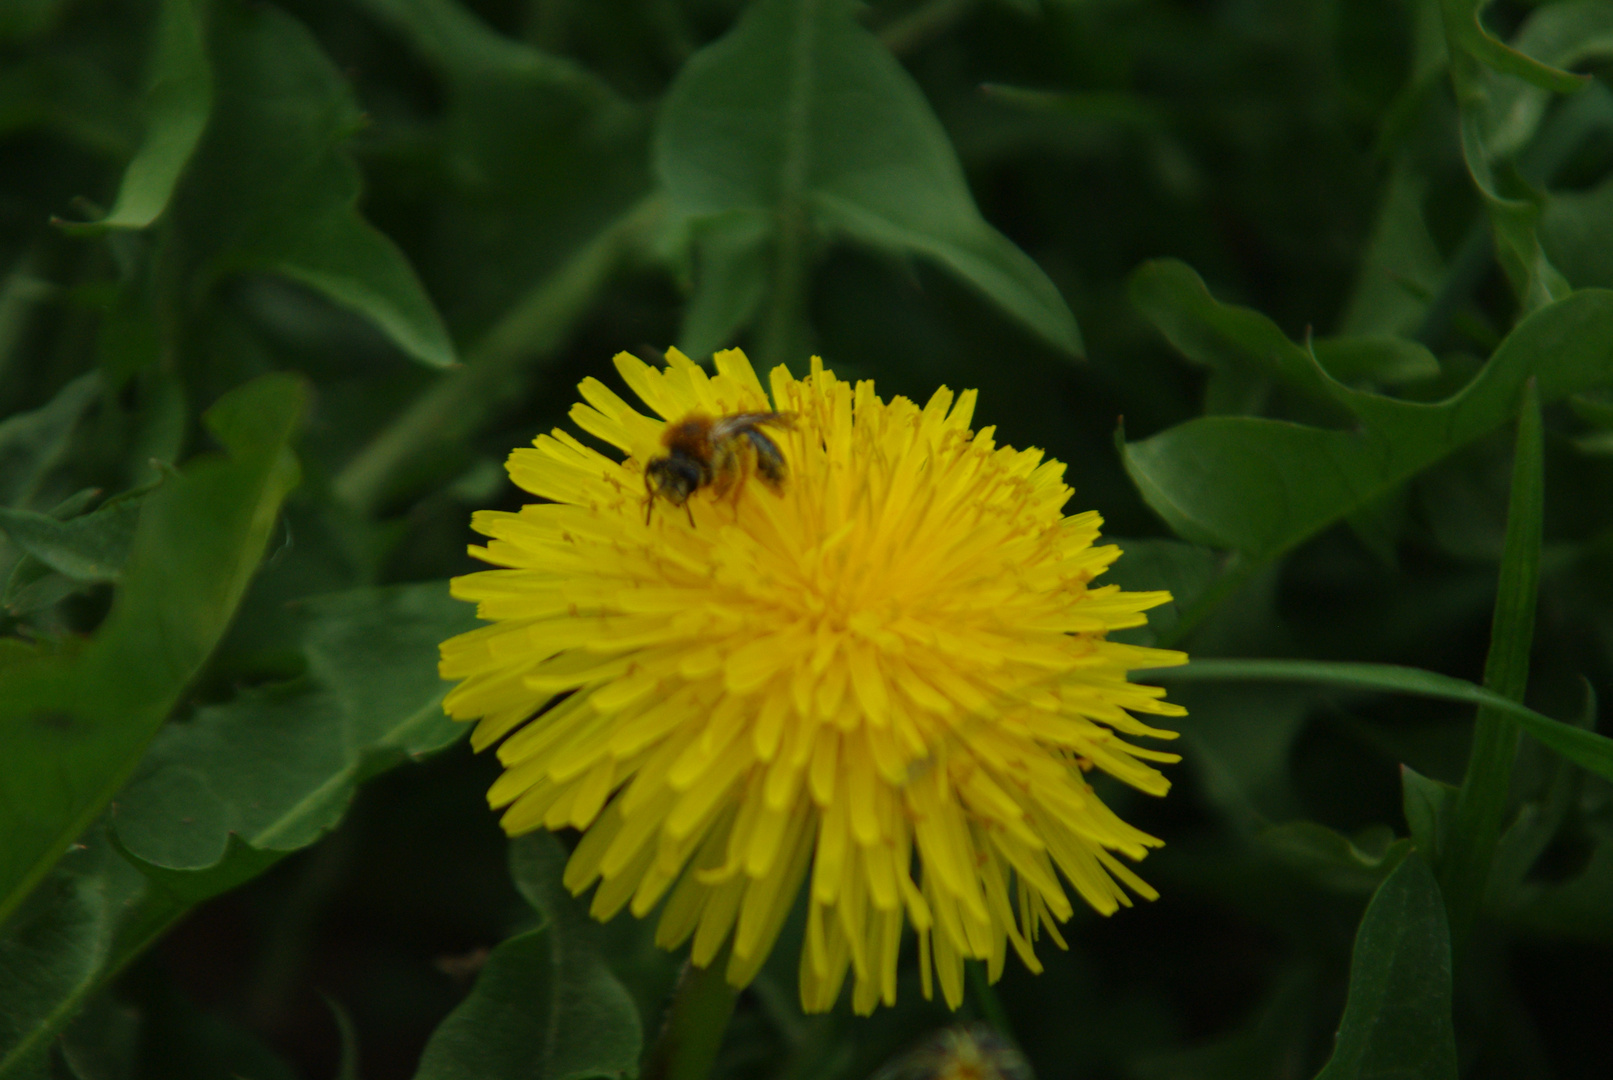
x=889, y=676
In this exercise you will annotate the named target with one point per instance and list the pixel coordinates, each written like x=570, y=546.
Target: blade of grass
x=1483, y=796
x=1584, y=748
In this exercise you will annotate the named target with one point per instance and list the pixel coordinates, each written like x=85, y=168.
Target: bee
x=716, y=452
x=964, y=1052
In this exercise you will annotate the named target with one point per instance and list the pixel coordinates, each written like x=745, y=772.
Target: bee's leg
x=649, y=500
x=725, y=467
x=687, y=509
x=742, y=465
x=769, y=460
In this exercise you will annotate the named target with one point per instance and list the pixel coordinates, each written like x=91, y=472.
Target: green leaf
x=457, y=42
x=1397, y=1019
x=33, y=586
x=75, y=719
x=370, y=699
x=1186, y=571
x=1468, y=34
x=546, y=1006
x=1429, y=806
x=179, y=99
x=1514, y=210
x=272, y=187
x=1264, y=486
x=800, y=116
x=1483, y=798
x=203, y=815
x=90, y=547
x=1220, y=336
x=1562, y=35
x=1240, y=342
x=347, y=1069
x=730, y=259
x=1401, y=266
x=1497, y=117
x=1576, y=231
x=496, y=368
x=55, y=950
x=102, y=1043
x=1538, y=822
x=32, y=443
x=1584, y=748
x=1384, y=361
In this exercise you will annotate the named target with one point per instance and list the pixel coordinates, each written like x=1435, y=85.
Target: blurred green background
x=388, y=237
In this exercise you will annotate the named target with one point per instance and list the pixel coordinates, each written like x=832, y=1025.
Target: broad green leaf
x=1231, y=339
x=370, y=698
x=456, y=41
x=535, y=156
x=1465, y=869
x=103, y=1041
x=32, y=443
x=729, y=253
x=75, y=720
x=1401, y=265
x=203, y=815
x=272, y=187
x=90, y=547
x=1221, y=336
x=1584, y=748
x=54, y=951
x=1490, y=105
x=1397, y=1019
x=546, y=1006
x=1514, y=210
x=1563, y=35
x=1184, y=570
x=1466, y=33
x=1383, y=361
x=800, y=116
x=1330, y=858
x=179, y=99
x=1576, y=231
x=33, y=586
x=1265, y=486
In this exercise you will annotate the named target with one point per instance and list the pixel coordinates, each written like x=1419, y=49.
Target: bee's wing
x=725, y=427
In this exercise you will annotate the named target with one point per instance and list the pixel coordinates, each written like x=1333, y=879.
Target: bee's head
x=673, y=478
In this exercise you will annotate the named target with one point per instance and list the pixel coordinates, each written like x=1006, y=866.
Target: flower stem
x=989, y=1004
x=687, y=1047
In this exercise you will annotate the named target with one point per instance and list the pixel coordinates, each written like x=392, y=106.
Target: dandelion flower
x=885, y=681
